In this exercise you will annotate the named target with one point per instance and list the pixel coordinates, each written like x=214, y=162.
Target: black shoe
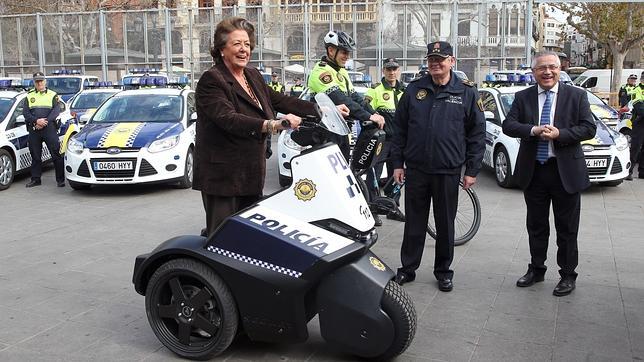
x=396, y=215
x=564, y=287
x=60, y=184
x=629, y=177
x=529, y=279
x=33, y=183
x=402, y=278
x=445, y=285
x=377, y=220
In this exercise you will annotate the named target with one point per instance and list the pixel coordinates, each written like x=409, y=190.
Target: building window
x=206, y=3
x=493, y=22
x=436, y=26
x=463, y=24
x=514, y=21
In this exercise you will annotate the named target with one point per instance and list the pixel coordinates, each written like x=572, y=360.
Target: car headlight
x=163, y=144
x=621, y=143
x=75, y=146
x=288, y=142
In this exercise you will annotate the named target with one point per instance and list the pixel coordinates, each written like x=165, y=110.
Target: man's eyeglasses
x=543, y=68
x=436, y=59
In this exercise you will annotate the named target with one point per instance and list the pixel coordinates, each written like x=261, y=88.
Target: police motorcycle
x=269, y=269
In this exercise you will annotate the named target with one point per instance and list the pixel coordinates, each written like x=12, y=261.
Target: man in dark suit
x=551, y=119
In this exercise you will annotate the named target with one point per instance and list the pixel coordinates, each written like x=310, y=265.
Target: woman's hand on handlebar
x=378, y=119
x=399, y=175
x=293, y=122
x=343, y=109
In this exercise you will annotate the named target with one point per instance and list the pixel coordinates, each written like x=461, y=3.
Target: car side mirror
x=20, y=119
x=488, y=115
x=62, y=106
x=193, y=117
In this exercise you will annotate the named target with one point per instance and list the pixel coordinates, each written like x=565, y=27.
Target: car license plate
x=113, y=165
x=596, y=162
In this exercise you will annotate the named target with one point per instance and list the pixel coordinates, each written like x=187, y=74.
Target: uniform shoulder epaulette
x=322, y=63
x=468, y=83
x=31, y=91
x=416, y=79
x=376, y=85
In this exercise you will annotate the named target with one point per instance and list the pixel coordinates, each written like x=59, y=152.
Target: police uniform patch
x=305, y=190
x=379, y=149
x=468, y=83
x=479, y=103
x=377, y=263
x=326, y=78
x=32, y=100
x=422, y=93
x=386, y=96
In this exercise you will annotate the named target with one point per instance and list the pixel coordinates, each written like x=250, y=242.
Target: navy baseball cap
x=390, y=63
x=439, y=48
x=39, y=76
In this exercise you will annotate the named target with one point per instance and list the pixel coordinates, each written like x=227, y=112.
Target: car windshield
x=141, y=108
x=593, y=99
x=89, y=100
x=64, y=85
x=5, y=106
x=506, y=102
x=407, y=77
x=580, y=80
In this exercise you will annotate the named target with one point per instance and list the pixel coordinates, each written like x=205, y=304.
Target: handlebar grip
x=285, y=123
x=367, y=123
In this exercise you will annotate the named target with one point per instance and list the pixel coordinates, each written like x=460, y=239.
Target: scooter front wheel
x=399, y=307
x=190, y=309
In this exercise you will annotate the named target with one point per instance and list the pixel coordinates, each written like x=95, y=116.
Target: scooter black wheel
x=399, y=307
x=190, y=309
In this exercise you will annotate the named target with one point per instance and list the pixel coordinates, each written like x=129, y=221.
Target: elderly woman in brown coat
x=236, y=112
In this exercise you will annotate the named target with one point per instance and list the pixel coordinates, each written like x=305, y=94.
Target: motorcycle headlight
x=621, y=143
x=288, y=142
x=163, y=144
x=75, y=146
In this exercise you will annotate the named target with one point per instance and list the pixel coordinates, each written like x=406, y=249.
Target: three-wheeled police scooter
x=269, y=269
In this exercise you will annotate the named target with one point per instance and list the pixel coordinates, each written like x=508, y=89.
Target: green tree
x=619, y=27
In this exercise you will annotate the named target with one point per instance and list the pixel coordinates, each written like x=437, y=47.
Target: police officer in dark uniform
x=440, y=128
x=40, y=110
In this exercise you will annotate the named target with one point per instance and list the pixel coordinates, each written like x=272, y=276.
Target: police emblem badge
x=32, y=99
x=326, y=78
x=379, y=149
x=305, y=190
x=386, y=96
x=422, y=93
x=377, y=263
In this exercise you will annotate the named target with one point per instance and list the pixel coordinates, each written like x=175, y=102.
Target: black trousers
x=218, y=208
x=50, y=137
x=637, y=138
x=421, y=189
x=544, y=189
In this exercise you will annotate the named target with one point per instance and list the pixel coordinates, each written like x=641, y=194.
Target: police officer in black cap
x=440, y=130
x=40, y=109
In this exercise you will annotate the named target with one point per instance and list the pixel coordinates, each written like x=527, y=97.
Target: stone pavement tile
x=64, y=306
x=588, y=336
x=78, y=282
x=625, y=249
x=439, y=345
x=533, y=302
x=112, y=316
x=3, y=346
x=130, y=344
x=633, y=298
x=593, y=304
x=445, y=319
x=422, y=293
x=519, y=329
x=577, y=355
x=478, y=301
x=478, y=281
x=597, y=269
x=18, y=325
x=19, y=354
x=486, y=261
x=497, y=349
x=635, y=322
x=20, y=295
x=109, y=267
x=630, y=272
x=65, y=338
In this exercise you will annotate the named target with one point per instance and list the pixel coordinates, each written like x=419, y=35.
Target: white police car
x=607, y=155
x=287, y=148
x=136, y=136
x=68, y=82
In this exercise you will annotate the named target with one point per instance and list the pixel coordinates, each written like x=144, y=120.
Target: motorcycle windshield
x=331, y=117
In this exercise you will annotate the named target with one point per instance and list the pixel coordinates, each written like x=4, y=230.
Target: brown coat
x=230, y=147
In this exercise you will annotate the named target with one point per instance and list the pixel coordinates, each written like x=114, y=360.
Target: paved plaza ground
x=66, y=261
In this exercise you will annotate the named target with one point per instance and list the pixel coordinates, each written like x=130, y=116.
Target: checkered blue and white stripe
x=252, y=261
x=132, y=137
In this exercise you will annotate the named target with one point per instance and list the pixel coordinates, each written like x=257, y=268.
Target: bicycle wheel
x=468, y=217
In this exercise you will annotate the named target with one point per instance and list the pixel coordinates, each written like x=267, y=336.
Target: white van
x=598, y=80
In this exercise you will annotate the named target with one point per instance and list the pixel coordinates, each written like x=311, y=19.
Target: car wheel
x=502, y=168
x=190, y=309
x=285, y=180
x=78, y=186
x=7, y=169
x=186, y=181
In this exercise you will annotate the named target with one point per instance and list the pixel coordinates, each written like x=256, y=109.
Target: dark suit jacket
x=230, y=146
x=575, y=123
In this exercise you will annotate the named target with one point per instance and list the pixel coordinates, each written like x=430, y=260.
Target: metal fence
x=487, y=36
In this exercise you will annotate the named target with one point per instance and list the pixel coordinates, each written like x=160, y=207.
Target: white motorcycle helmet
x=340, y=40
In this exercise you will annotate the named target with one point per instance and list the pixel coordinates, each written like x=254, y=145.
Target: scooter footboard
x=349, y=305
